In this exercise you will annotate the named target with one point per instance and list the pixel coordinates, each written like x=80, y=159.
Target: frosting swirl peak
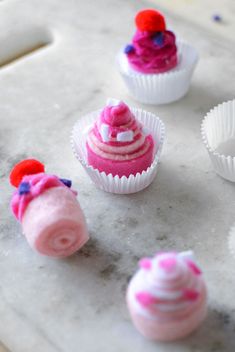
x=116, y=115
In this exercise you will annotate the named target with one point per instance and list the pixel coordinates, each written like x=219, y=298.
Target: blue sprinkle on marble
x=66, y=182
x=128, y=49
x=158, y=39
x=217, y=18
x=24, y=188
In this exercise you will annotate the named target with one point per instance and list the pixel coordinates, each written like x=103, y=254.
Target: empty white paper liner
x=116, y=184
x=217, y=128
x=160, y=88
x=231, y=240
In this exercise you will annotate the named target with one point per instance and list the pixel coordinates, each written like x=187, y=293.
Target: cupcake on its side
x=167, y=297
x=156, y=68
x=119, y=147
x=117, y=143
x=52, y=220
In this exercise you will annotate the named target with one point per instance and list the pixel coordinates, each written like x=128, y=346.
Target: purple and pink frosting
x=152, y=51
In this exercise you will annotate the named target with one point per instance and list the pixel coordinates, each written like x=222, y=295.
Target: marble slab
x=78, y=304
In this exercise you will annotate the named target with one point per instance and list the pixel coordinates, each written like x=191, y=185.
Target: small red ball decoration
x=150, y=20
x=23, y=168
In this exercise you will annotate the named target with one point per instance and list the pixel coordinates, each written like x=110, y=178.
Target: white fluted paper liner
x=108, y=183
x=218, y=127
x=161, y=88
x=231, y=240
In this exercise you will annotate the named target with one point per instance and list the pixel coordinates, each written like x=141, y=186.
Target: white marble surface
x=78, y=304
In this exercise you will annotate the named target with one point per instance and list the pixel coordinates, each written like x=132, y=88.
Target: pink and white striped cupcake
x=167, y=296
x=119, y=147
x=117, y=143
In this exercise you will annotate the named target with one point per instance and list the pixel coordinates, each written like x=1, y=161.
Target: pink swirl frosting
x=36, y=185
x=152, y=52
x=169, y=284
x=117, y=135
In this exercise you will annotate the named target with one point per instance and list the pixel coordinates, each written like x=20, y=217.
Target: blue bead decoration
x=158, y=39
x=24, y=188
x=217, y=18
x=128, y=49
x=66, y=182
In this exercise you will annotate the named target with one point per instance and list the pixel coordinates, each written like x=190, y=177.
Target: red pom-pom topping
x=150, y=21
x=23, y=168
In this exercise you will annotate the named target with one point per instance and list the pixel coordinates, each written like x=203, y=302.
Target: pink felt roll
x=54, y=224
x=52, y=220
x=167, y=297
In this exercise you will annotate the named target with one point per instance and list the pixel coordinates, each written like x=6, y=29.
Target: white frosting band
x=112, y=102
x=126, y=136
x=146, y=131
x=104, y=132
x=187, y=255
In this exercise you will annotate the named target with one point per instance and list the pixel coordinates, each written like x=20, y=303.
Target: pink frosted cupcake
x=52, y=220
x=119, y=147
x=156, y=67
x=117, y=143
x=167, y=296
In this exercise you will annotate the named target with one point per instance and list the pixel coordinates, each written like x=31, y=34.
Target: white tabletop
x=78, y=304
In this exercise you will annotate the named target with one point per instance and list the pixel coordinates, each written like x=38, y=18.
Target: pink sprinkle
x=145, y=298
x=168, y=264
x=194, y=267
x=191, y=295
x=145, y=263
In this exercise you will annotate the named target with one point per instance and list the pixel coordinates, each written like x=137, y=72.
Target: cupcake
x=156, y=68
x=117, y=143
x=52, y=220
x=218, y=135
x=167, y=296
x=119, y=147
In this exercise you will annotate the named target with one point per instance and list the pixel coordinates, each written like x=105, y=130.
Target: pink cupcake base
x=170, y=329
x=116, y=184
x=122, y=168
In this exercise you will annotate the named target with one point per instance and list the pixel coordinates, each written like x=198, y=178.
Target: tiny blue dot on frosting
x=24, y=188
x=66, y=182
x=128, y=49
x=158, y=38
